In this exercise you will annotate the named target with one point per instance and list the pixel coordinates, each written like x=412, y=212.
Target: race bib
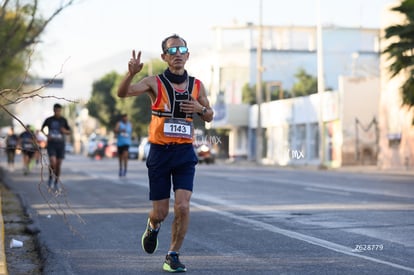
x=124, y=134
x=178, y=128
x=28, y=146
x=56, y=135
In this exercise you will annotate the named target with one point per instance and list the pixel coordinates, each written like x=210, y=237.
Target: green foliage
x=248, y=94
x=14, y=41
x=401, y=52
x=20, y=28
x=102, y=104
x=306, y=84
x=5, y=119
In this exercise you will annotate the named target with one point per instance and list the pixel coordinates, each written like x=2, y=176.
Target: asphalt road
x=244, y=220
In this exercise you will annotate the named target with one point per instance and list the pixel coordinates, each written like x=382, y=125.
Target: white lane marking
x=301, y=237
x=325, y=190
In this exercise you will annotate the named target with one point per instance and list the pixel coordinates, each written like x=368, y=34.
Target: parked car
x=133, y=150
x=205, y=153
x=144, y=148
x=111, y=151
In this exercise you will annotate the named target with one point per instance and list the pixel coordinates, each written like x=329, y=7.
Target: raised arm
x=127, y=89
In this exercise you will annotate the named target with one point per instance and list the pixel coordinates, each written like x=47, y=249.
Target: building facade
x=396, y=129
x=290, y=126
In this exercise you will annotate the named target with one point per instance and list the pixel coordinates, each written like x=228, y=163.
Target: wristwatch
x=203, y=110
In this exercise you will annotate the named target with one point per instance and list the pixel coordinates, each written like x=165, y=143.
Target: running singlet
x=27, y=141
x=54, y=125
x=168, y=124
x=11, y=142
x=124, y=137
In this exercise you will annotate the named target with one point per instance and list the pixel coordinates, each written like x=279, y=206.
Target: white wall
x=360, y=99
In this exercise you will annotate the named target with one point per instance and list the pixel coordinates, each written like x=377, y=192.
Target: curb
x=3, y=263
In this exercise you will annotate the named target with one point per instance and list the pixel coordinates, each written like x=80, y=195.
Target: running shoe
x=50, y=184
x=172, y=263
x=57, y=188
x=149, y=239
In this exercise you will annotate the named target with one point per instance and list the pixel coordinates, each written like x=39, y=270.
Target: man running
x=27, y=142
x=175, y=97
x=58, y=127
x=11, y=145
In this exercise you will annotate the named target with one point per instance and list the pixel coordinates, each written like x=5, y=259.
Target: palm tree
x=401, y=53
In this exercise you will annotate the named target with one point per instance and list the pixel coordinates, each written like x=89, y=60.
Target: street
x=245, y=219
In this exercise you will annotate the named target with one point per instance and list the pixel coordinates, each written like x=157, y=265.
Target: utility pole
x=259, y=136
x=321, y=85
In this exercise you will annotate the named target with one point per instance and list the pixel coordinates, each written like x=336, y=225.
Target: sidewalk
x=15, y=224
x=370, y=169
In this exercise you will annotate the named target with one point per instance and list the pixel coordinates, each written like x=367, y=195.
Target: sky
x=92, y=30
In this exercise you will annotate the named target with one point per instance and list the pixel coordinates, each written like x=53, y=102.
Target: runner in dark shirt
x=58, y=127
x=28, y=145
x=11, y=144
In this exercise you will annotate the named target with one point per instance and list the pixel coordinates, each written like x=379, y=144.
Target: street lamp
x=321, y=84
x=259, y=136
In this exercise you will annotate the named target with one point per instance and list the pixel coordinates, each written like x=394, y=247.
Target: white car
x=133, y=150
x=144, y=148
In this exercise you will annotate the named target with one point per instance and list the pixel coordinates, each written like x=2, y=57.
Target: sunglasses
x=173, y=50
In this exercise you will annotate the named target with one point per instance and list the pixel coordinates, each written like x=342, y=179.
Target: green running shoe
x=172, y=263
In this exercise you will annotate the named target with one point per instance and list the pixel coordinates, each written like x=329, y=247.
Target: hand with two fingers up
x=134, y=64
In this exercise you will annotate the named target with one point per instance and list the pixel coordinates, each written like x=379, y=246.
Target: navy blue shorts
x=170, y=164
x=56, y=149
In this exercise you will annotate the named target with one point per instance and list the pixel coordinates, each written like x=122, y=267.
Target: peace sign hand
x=134, y=64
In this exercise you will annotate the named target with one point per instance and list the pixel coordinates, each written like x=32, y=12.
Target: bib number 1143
x=178, y=128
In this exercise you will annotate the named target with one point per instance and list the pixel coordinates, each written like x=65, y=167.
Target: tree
x=401, y=52
x=102, y=104
x=21, y=26
x=5, y=119
x=249, y=93
x=306, y=84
